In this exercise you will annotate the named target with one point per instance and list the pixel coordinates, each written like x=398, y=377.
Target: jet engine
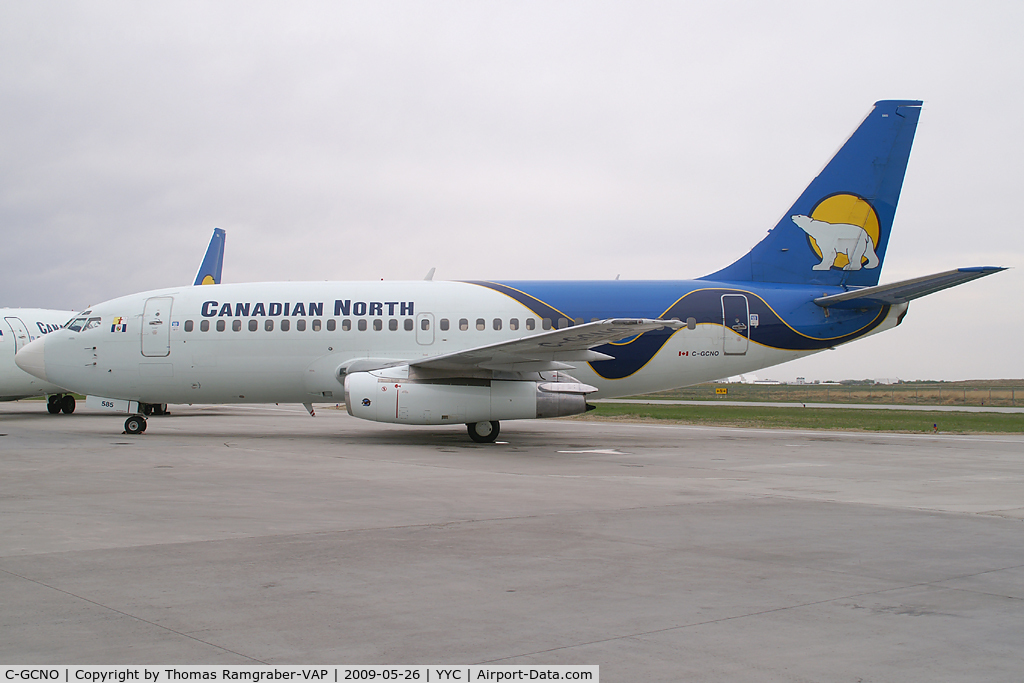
x=374, y=396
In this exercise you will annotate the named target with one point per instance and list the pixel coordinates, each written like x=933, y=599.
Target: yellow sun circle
x=846, y=208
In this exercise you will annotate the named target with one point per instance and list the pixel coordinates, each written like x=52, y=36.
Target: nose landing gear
x=60, y=403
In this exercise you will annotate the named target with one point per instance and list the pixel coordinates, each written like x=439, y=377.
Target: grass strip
x=816, y=418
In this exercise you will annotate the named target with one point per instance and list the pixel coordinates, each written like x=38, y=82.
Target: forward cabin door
x=20, y=332
x=156, y=327
x=736, y=329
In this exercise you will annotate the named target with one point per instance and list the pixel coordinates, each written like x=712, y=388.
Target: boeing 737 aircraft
x=435, y=353
x=22, y=325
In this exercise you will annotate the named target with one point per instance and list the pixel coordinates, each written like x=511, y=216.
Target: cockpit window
x=76, y=324
x=91, y=324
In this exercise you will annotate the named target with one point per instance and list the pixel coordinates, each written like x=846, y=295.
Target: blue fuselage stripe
x=786, y=316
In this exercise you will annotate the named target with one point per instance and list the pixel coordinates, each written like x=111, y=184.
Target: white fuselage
x=19, y=327
x=285, y=342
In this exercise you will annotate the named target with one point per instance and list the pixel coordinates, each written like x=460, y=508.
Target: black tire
x=53, y=405
x=67, y=404
x=483, y=432
x=135, y=424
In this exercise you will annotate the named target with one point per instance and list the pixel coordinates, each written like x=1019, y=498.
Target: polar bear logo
x=834, y=239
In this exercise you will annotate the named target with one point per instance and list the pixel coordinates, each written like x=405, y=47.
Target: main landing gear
x=58, y=403
x=484, y=432
x=135, y=424
x=154, y=409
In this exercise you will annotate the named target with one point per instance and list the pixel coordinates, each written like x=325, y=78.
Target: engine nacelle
x=371, y=396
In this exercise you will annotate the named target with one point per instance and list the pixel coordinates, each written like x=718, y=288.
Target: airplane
x=478, y=352
x=23, y=325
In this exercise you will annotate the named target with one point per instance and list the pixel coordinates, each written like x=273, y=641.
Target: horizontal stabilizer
x=902, y=292
x=549, y=350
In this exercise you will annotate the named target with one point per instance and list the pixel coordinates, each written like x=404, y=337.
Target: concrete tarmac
x=256, y=534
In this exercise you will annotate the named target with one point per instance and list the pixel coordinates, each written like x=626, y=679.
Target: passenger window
x=332, y=325
x=316, y=325
x=189, y=325
x=691, y=323
x=346, y=325
x=393, y=324
x=221, y=325
x=254, y=325
x=444, y=324
x=285, y=324
x=463, y=324
x=562, y=323
x=236, y=325
x=593, y=320
x=425, y=324
x=497, y=323
x=378, y=325
x=409, y=324
x=269, y=325
x=546, y=323
x=577, y=321
x=513, y=324
x=362, y=325
x=204, y=326
x=480, y=324
x=531, y=324
x=300, y=325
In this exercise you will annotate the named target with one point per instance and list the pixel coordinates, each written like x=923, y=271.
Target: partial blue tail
x=837, y=231
x=213, y=262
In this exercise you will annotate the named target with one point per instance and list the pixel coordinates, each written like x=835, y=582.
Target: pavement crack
x=129, y=616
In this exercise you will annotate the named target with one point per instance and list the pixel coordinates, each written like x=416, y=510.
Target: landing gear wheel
x=135, y=424
x=67, y=404
x=483, y=432
x=53, y=404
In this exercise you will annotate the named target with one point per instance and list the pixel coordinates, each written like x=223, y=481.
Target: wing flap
x=905, y=290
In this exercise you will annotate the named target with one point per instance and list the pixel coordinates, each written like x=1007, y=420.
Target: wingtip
x=982, y=269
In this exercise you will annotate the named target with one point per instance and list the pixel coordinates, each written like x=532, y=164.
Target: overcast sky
x=516, y=140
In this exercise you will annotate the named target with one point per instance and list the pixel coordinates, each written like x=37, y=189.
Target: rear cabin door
x=736, y=331
x=425, y=329
x=20, y=332
x=156, y=327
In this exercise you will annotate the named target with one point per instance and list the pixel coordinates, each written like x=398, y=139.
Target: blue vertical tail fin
x=210, y=269
x=837, y=231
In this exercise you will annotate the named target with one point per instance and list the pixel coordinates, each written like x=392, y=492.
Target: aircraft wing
x=904, y=291
x=213, y=262
x=548, y=350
